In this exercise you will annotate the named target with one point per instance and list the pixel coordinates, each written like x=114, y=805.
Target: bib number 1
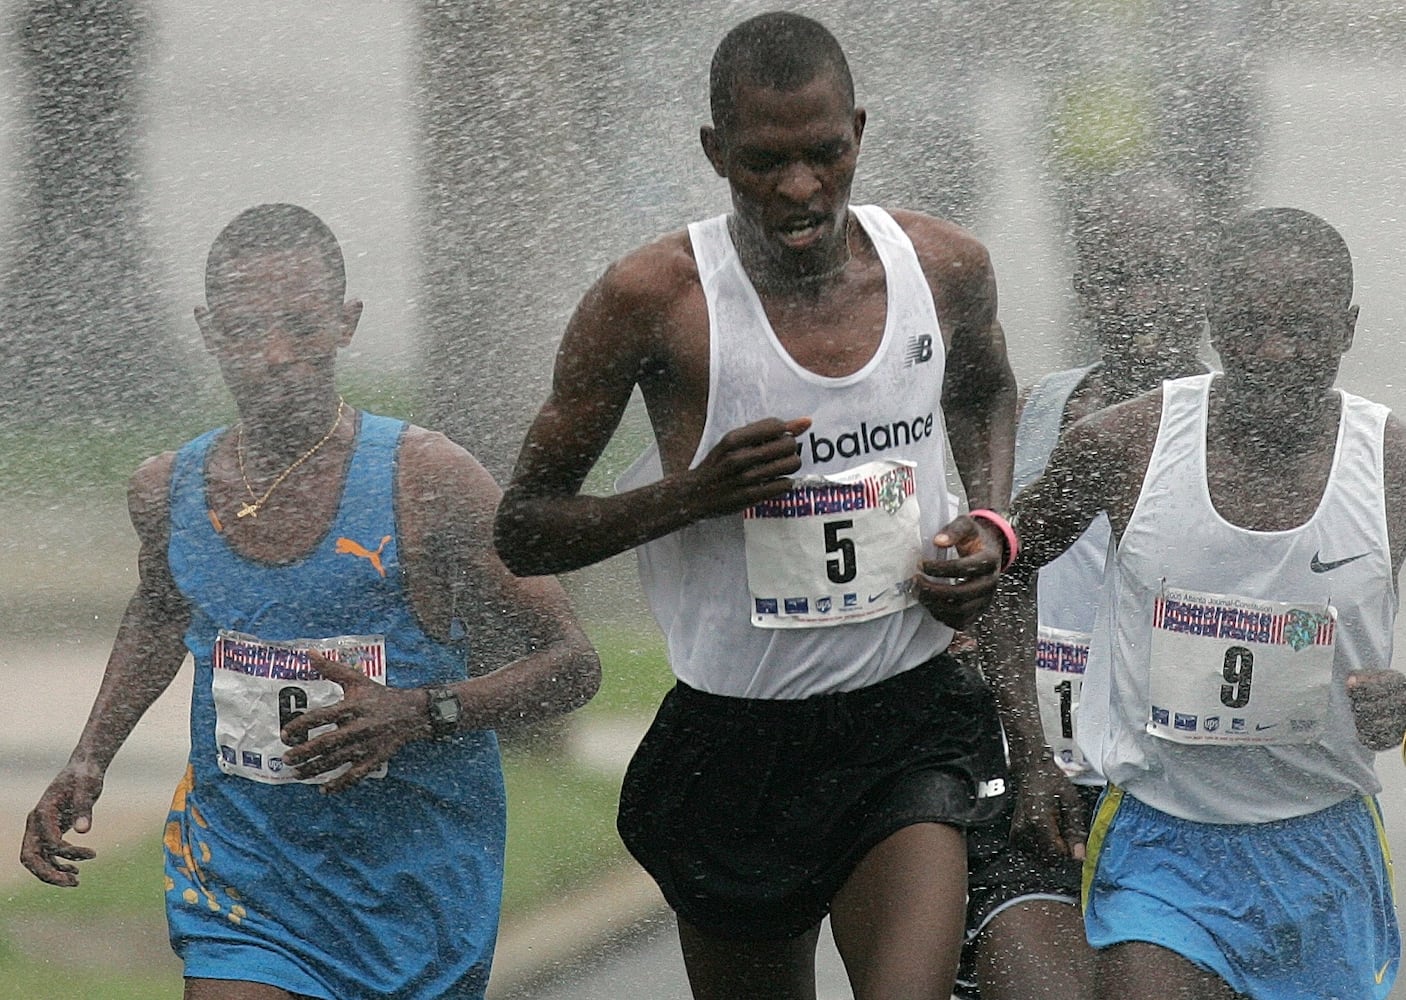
x=1060, y=659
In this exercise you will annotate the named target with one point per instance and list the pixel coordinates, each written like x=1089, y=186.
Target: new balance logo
x=919, y=350
x=347, y=547
x=866, y=439
x=991, y=789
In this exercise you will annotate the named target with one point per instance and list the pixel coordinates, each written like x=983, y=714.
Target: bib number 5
x=842, y=568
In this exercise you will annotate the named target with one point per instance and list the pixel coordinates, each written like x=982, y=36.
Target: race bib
x=1229, y=670
x=835, y=549
x=259, y=687
x=1060, y=658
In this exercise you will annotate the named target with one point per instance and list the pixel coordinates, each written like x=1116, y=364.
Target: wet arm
x=1394, y=473
x=150, y=644
x=1050, y=516
x=533, y=659
x=979, y=388
x=1052, y=513
x=145, y=657
x=544, y=523
x=1378, y=693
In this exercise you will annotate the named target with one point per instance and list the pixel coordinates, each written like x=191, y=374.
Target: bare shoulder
x=436, y=474
x=1394, y=442
x=652, y=276
x=962, y=282
x=625, y=318
x=149, y=494
x=1128, y=428
x=1109, y=450
x=943, y=247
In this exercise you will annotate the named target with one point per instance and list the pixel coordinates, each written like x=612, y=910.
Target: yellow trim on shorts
x=1103, y=819
x=1375, y=809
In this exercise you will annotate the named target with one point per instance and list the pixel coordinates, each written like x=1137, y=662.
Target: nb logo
x=919, y=350
x=347, y=547
x=991, y=789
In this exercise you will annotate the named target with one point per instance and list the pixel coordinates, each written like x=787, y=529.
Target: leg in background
x=1035, y=950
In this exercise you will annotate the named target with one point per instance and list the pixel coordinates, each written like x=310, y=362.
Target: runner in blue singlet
x=339, y=829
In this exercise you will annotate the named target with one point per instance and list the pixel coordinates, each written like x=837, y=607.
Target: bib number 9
x=1237, y=671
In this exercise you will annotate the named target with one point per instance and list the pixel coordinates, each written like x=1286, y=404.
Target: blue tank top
x=407, y=868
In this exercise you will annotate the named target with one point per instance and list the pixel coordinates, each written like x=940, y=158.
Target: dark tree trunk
x=79, y=307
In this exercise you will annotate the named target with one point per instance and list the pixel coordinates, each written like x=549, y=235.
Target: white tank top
x=1176, y=541
x=1069, y=588
x=696, y=579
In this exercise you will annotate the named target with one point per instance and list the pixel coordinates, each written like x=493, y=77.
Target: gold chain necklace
x=255, y=503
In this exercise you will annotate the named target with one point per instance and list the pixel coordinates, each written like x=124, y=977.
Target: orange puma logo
x=347, y=547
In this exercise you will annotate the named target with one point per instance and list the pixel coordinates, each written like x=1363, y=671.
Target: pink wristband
x=1007, y=533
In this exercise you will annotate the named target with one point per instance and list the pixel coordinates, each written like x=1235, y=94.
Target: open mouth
x=803, y=231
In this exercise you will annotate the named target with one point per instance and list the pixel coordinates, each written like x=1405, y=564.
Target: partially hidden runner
x=1137, y=254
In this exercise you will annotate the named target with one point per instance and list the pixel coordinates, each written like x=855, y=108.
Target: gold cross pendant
x=248, y=510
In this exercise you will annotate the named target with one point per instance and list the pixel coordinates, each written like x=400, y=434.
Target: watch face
x=444, y=709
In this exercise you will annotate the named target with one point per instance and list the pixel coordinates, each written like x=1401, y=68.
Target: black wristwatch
x=444, y=709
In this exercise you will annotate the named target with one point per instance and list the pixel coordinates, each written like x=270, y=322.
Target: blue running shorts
x=1295, y=909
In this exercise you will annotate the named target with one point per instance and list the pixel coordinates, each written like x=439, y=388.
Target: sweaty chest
x=833, y=339
x=1268, y=493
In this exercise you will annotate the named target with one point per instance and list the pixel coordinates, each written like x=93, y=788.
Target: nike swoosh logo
x=1382, y=973
x=1261, y=727
x=1318, y=566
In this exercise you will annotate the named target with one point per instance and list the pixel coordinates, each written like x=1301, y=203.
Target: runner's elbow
x=584, y=679
x=518, y=540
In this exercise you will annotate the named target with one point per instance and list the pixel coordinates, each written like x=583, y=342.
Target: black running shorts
x=751, y=814
x=1000, y=876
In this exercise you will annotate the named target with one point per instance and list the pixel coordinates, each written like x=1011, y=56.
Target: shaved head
x=1292, y=237
x=273, y=228
x=781, y=51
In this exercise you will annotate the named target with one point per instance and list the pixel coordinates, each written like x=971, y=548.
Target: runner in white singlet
x=821, y=753
x=1238, y=680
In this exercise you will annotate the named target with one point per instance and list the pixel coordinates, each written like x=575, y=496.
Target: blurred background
x=482, y=162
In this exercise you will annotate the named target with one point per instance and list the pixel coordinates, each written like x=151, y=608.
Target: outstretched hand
x=972, y=573
x=371, y=723
x=1378, y=707
x=67, y=804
